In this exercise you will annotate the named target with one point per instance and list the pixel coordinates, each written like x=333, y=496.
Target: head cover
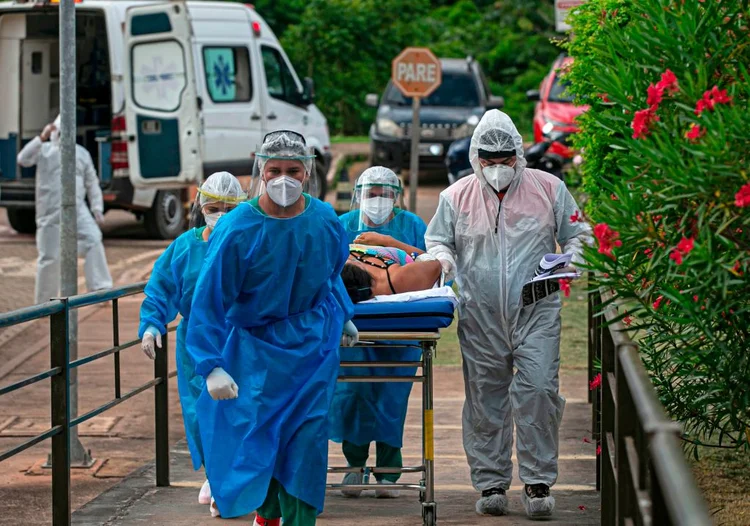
x=496, y=137
x=55, y=135
x=221, y=188
x=283, y=145
x=375, y=195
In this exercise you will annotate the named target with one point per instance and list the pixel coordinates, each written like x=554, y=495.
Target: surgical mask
x=499, y=176
x=212, y=219
x=378, y=209
x=284, y=190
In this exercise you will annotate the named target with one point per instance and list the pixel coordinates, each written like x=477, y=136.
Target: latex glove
x=151, y=336
x=448, y=269
x=426, y=257
x=221, y=386
x=350, y=336
x=99, y=218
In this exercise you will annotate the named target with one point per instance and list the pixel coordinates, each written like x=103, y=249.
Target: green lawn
x=573, y=350
x=336, y=139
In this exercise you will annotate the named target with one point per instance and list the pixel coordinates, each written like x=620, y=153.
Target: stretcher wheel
x=429, y=515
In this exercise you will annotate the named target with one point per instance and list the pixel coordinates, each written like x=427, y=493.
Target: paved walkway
x=137, y=501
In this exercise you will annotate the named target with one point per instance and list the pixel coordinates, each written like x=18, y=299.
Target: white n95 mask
x=211, y=219
x=378, y=209
x=499, y=176
x=284, y=190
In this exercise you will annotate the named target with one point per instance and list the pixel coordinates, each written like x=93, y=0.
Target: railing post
x=161, y=412
x=609, y=407
x=60, y=408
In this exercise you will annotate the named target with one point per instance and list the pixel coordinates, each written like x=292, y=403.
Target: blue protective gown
x=170, y=291
x=375, y=412
x=269, y=310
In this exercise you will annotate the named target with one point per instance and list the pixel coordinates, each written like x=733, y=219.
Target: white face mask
x=284, y=190
x=212, y=219
x=378, y=209
x=499, y=176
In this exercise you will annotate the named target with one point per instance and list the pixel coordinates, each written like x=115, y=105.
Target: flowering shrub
x=667, y=151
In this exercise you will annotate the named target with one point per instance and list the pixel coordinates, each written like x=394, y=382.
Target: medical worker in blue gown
x=363, y=413
x=265, y=328
x=170, y=291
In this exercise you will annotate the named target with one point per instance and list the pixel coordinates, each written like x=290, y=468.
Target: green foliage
x=664, y=190
x=347, y=46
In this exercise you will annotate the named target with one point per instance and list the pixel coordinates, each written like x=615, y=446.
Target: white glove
x=151, y=336
x=426, y=257
x=221, y=386
x=448, y=269
x=350, y=336
x=99, y=218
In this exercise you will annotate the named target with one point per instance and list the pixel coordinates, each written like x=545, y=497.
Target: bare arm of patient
x=420, y=275
x=382, y=240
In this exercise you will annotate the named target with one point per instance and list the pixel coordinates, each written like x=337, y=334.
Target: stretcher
x=412, y=323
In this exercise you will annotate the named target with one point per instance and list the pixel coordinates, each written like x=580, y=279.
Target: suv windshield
x=559, y=91
x=456, y=89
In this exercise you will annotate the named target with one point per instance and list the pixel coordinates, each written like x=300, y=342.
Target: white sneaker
x=204, y=497
x=383, y=493
x=352, y=478
x=214, y=510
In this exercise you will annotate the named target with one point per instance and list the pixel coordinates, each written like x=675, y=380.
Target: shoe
x=214, y=509
x=551, y=264
x=383, y=493
x=352, y=478
x=260, y=521
x=537, y=501
x=493, y=502
x=204, y=497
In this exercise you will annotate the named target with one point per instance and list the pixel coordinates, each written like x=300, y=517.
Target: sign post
x=562, y=7
x=416, y=73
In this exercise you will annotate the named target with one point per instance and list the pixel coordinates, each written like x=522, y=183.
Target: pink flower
x=613, y=197
x=695, y=132
x=596, y=382
x=710, y=99
x=657, y=303
x=598, y=450
x=683, y=248
x=576, y=218
x=649, y=253
x=607, y=239
x=737, y=268
x=742, y=198
x=582, y=507
x=655, y=95
x=676, y=256
x=565, y=287
x=695, y=298
x=642, y=122
x=627, y=320
x=586, y=440
x=668, y=82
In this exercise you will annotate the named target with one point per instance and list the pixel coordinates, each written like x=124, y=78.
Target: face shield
x=376, y=194
x=495, y=140
x=217, y=196
x=283, y=168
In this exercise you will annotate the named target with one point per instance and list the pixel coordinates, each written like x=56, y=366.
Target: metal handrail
x=58, y=311
x=642, y=471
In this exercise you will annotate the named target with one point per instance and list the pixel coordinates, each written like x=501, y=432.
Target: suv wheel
x=166, y=218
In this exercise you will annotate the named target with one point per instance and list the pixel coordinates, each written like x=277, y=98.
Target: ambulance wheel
x=322, y=177
x=166, y=218
x=22, y=220
x=429, y=515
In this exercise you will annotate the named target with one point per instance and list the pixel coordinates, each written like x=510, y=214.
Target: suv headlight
x=389, y=128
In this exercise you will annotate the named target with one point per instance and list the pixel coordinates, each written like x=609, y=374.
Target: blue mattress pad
x=424, y=315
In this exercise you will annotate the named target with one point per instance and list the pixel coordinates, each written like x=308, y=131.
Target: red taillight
x=119, y=156
x=256, y=28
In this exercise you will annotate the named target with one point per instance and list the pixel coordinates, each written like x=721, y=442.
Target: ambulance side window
x=281, y=84
x=228, y=73
x=159, y=77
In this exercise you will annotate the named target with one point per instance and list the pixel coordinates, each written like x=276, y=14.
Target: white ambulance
x=167, y=93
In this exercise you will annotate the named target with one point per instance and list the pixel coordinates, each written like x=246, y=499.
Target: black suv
x=451, y=112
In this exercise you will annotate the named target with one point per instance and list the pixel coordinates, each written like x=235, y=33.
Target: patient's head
x=358, y=282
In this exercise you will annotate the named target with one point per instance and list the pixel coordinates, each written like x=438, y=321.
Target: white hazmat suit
x=46, y=157
x=494, y=248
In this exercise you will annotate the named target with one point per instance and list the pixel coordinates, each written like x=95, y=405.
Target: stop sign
x=416, y=72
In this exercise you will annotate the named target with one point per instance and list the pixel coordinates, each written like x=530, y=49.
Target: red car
x=555, y=110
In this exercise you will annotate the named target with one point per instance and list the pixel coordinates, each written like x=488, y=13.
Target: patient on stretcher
x=377, y=271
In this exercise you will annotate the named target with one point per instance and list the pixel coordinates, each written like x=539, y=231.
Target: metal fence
x=59, y=374
x=642, y=472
